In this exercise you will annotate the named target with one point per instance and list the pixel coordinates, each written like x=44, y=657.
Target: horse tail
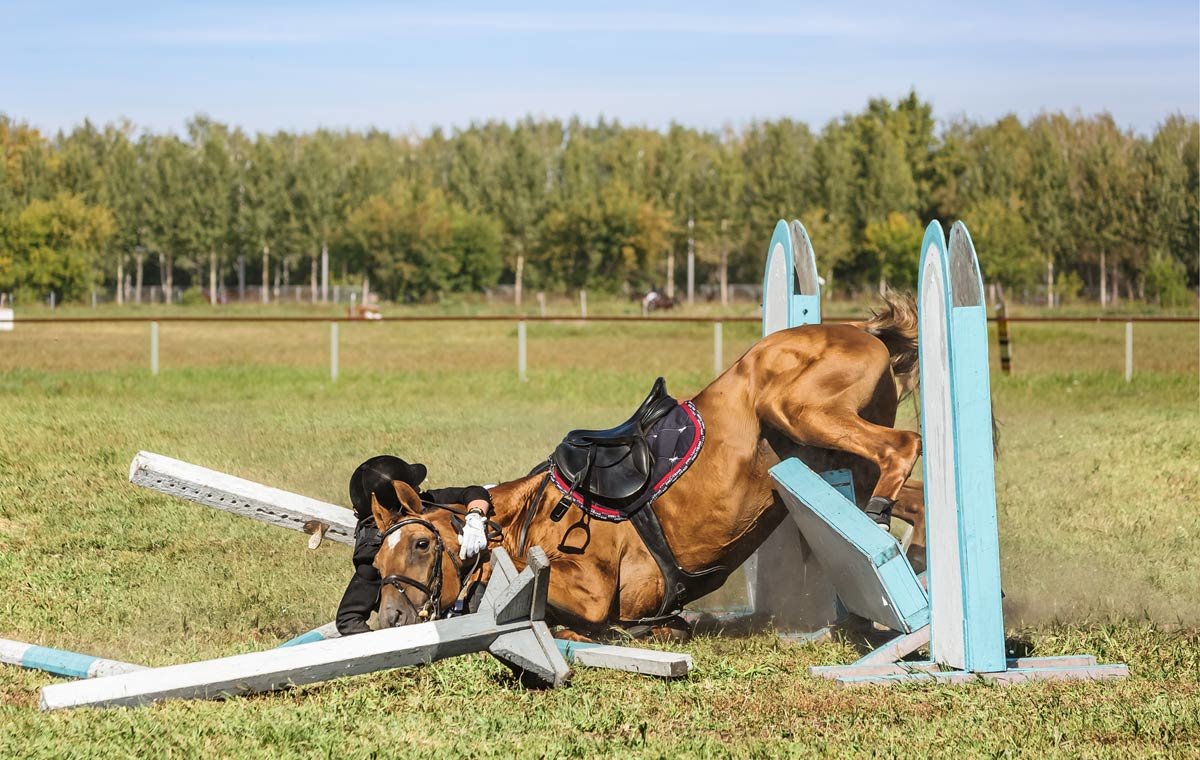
x=896, y=328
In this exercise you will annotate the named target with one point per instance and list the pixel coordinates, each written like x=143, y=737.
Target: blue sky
x=406, y=67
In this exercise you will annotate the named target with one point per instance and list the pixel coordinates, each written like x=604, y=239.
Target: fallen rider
x=375, y=477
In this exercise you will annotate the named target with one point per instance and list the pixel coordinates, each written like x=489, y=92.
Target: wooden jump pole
x=510, y=625
x=244, y=498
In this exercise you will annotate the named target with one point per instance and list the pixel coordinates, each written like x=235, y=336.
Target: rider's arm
x=362, y=593
x=359, y=601
x=474, y=497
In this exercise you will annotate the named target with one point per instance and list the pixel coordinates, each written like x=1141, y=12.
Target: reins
x=531, y=511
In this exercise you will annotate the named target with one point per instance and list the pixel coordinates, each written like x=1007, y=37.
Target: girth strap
x=679, y=586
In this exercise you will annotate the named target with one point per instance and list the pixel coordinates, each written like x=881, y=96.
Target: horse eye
x=423, y=543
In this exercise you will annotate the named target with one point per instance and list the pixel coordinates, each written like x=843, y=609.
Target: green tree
x=894, y=244
x=53, y=245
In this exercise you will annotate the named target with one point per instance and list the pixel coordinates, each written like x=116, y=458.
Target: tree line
x=1070, y=204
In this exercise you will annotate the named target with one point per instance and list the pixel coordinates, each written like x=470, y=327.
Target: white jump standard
x=510, y=625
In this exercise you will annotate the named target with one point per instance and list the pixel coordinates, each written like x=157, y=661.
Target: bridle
x=432, y=586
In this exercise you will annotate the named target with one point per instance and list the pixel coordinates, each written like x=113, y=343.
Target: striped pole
x=61, y=662
x=327, y=631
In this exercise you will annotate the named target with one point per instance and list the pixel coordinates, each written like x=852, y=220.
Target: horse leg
x=910, y=508
x=893, y=451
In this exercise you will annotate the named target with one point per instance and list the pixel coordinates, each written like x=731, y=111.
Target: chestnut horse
x=825, y=393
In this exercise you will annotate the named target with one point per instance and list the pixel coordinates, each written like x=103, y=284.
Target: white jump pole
x=154, y=348
x=583, y=304
x=246, y=498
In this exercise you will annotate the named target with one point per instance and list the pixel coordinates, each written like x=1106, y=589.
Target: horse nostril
x=390, y=617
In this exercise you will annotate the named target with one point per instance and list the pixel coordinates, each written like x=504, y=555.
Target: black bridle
x=432, y=586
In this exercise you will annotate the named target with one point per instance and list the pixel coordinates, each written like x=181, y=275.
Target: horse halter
x=432, y=587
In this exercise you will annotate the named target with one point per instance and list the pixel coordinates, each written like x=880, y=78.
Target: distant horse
x=655, y=301
x=825, y=393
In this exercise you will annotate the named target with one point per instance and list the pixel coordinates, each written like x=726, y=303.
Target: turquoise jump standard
x=961, y=620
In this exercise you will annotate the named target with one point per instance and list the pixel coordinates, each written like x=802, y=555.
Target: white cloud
x=1043, y=27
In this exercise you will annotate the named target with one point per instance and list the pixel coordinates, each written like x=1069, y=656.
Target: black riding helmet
x=375, y=476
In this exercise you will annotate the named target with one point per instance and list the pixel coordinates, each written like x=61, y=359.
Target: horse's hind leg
x=835, y=423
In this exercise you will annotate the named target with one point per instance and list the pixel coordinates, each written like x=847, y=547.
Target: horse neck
x=510, y=502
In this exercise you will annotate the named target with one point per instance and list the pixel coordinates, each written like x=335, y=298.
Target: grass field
x=1098, y=488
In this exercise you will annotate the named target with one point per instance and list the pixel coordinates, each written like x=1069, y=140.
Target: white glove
x=474, y=536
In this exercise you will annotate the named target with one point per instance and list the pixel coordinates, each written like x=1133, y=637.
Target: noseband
x=432, y=587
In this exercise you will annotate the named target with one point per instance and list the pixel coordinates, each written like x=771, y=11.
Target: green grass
x=1098, y=483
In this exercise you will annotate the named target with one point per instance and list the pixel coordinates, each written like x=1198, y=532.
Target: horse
x=825, y=393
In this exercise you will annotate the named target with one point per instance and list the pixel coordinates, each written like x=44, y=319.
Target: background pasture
x=1097, y=484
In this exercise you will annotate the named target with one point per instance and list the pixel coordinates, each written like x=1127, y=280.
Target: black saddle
x=613, y=466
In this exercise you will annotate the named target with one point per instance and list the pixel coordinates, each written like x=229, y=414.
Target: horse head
x=416, y=587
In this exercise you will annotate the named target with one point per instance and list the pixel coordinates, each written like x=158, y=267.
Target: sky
x=407, y=67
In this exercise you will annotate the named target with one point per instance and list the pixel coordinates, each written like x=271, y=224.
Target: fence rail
x=548, y=318
x=7, y=323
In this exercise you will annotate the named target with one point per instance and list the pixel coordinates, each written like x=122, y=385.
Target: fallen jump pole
x=284, y=509
x=510, y=625
x=245, y=498
x=60, y=662
x=649, y=662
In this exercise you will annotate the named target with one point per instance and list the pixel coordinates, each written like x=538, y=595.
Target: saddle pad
x=675, y=442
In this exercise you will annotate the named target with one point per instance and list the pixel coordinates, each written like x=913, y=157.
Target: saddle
x=615, y=474
x=613, y=466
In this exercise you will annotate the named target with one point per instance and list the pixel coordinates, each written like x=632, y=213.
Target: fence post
x=333, y=351
x=154, y=348
x=718, y=349
x=1129, y=352
x=1002, y=337
x=541, y=299
x=522, y=356
x=583, y=303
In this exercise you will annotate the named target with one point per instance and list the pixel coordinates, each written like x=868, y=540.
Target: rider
x=375, y=476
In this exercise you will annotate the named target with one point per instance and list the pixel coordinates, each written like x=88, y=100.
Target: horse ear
x=410, y=500
x=384, y=518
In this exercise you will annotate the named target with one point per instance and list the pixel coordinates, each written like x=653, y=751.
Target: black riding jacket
x=362, y=593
